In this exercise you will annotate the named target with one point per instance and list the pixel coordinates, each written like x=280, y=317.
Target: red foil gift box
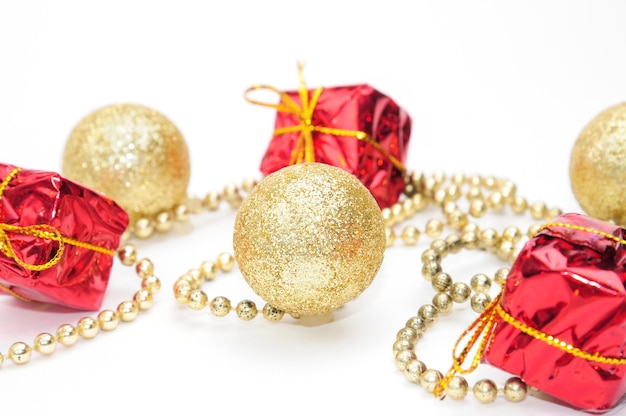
x=57, y=239
x=561, y=322
x=356, y=128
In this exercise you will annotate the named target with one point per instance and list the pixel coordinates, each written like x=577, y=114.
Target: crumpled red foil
x=569, y=283
x=356, y=108
x=79, y=278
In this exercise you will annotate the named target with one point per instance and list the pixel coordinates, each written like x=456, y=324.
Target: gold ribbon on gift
x=43, y=231
x=304, y=147
x=481, y=329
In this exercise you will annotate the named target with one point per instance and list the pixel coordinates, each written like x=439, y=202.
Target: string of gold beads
x=447, y=294
x=106, y=320
x=164, y=221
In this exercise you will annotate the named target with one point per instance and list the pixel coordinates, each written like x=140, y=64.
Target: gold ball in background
x=132, y=154
x=598, y=166
x=309, y=238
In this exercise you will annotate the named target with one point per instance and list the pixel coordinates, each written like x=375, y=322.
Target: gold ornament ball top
x=132, y=154
x=598, y=166
x=309, y=238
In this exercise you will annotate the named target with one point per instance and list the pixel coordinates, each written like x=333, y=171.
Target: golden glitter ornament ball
x=309, y=238
x=598, y=166
x=131, y=153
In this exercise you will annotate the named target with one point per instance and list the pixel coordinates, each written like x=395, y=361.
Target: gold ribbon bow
x=304, y=147
x=481, y=330
x=44, y=231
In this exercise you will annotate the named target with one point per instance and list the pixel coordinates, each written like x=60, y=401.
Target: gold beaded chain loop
x=433, y=381
x=106, y=320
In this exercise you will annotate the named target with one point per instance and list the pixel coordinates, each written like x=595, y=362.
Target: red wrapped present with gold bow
x=356, y=128
x=57, y=239
x=560, y=321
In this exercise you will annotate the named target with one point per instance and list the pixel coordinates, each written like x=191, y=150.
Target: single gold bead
x=225, y=262
x=417, y=324
x=144, y=299
x=453, y=192
x=127, y=254
x=212, y=201
x=485, y=391
x=413, y=370
x=515, y=390
x=272, y=313
x=208, y=270
x=220, y=306
x=471, y=227
x=429, y=314
x=460, y=292
x=128, y=310
x=475, y=180
x=45, y=343
x=496, y=202
x=538, y=210
x=441, y=282
x=440, y=246
x=478, y=208
x=470, y=240
x=501, y=275
x=248, y=184
x=430, y=379
x=533, y=229
x=434, y=228
x=430, y=269
x=144, y=268
x=508, y=190
x=67, y=335
x=181, y=213
x=449, y=207
x=108, y=320
x=143, y=228
x=194, y=205
x=552, y=213
x=489, y=239
x=403, y=357
x=443, y=303
x=457, y=220
x=458, y=178
x=163, y=222
x=512, y=233
x=246, y=310
x=506, y=250
x=519, y=204
x=407, y=333
x=439, y=197
x=402, y=344
x=419, y=202
x=457, y=388
x=151, y=283
x=408, y=207
x=480, y=283
x=20, y=353
x=454, y=243
x=390, y=236
x=197, y=300
x=410, y=235
x=431, y=255
x=232, y=196
x=182, y=289
x=87, y=327
x=479, y=302
x=397, y=213
x=473, y=193
x=387, y=218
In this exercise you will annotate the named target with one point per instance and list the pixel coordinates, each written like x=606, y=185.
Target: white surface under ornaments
x=494, y=88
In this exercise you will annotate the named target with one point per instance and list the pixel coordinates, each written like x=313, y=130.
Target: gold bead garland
x=106, y=320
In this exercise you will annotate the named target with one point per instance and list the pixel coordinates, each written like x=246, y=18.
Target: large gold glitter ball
x=309, y=238
x=131, y=153
x=598, y=166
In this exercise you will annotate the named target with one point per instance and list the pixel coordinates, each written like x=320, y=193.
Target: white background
x=495, y=88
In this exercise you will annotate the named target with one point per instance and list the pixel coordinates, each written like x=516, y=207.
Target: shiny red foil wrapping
x=355, y=108
x=568, y=283
x=79, y=279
